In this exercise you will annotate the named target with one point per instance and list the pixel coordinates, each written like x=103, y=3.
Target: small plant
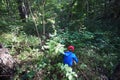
x=67, y=71
x=54, y=46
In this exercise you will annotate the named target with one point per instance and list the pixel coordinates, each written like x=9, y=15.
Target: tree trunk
x=23, y=8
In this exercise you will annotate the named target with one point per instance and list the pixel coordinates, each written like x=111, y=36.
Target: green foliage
x=54, y=46
x=78, y=39
x=68, y=72
x=58, y=71
x=92, y=26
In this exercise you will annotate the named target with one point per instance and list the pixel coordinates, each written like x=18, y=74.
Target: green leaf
x=83, y=66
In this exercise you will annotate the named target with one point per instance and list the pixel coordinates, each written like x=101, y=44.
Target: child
x=69, y=56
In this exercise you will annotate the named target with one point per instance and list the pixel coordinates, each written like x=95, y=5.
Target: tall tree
x=23, y=7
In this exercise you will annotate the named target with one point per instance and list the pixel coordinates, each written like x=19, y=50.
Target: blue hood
x=69, y=57
x=67, y=53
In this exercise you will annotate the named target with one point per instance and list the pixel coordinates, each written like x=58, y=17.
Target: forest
x=34, y=35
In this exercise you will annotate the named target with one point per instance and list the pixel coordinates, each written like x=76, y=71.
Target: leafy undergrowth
x=46, y=64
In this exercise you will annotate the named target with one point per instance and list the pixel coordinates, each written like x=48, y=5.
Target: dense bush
x=96, y=53
x=50, y=26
